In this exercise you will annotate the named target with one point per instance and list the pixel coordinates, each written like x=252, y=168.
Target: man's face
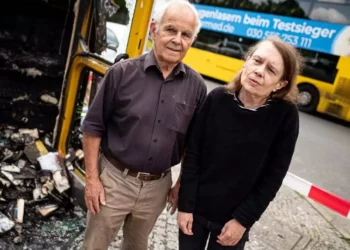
x=174, y=35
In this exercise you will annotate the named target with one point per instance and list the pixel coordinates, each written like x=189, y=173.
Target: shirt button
x=155, y=140
x=162, y=101
x=158, y=121
x=150, y=159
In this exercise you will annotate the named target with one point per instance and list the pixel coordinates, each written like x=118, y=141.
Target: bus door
x=126, y=24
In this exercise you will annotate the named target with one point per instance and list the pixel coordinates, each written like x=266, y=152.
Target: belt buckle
x=143, y=176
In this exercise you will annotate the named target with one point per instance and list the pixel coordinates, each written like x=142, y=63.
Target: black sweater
x=237, y=158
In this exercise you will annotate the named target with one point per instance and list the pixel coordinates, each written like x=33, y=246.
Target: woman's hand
x=173, y=197
x=185, y=220
x=231, y=233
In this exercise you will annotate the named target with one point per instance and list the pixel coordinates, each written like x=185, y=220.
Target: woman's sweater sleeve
x=275, y=169
x=191, y=161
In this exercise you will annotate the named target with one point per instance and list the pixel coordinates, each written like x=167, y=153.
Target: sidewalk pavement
x=339, y=222
x=291, y=222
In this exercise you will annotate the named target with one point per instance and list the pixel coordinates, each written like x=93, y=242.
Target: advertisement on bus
x=319, y=36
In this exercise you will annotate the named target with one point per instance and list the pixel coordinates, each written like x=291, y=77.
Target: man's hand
x=94, y=194
x=173, y=197
x=185, y=221
x=231, y=233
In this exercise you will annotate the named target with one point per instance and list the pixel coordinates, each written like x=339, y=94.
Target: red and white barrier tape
x=319, y=195
x=90, y=76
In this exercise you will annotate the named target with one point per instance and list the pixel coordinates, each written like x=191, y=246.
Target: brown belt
x=138, y=175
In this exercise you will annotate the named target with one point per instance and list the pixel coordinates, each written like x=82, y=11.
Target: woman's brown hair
x=292, y=62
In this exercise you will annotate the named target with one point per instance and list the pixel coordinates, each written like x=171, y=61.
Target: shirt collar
x=241, y=105
x=150, y=60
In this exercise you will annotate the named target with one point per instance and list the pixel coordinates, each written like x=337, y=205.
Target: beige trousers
x=130, y=202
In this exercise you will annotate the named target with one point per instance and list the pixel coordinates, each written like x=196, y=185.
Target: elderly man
x=140, y=117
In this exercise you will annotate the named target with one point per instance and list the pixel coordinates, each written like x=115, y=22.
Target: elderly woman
x=240, y=150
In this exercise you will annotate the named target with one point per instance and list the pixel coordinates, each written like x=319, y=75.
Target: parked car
x=117, y=38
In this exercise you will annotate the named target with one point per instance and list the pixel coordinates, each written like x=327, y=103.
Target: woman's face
x=262, y=71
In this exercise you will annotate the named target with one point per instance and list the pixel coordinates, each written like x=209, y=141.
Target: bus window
x=320, y=66
x=219, y=3
x=234, y=46
x=232, y=49
x=291, y=8
x=331, y=12
x=118, y=24
x=298, y=8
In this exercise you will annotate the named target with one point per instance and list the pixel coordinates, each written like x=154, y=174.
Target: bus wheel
x=308, y=98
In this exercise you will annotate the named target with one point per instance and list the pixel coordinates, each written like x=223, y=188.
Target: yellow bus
x=319, y=28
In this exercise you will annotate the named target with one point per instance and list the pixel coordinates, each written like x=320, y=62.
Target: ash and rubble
x=33, y=54
x=36, y=210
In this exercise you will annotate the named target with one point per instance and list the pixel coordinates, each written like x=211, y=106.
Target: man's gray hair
x=158, y=17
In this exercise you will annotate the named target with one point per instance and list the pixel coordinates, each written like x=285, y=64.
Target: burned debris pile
x=33, y=55
x=36, y=206
x=36, y=209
